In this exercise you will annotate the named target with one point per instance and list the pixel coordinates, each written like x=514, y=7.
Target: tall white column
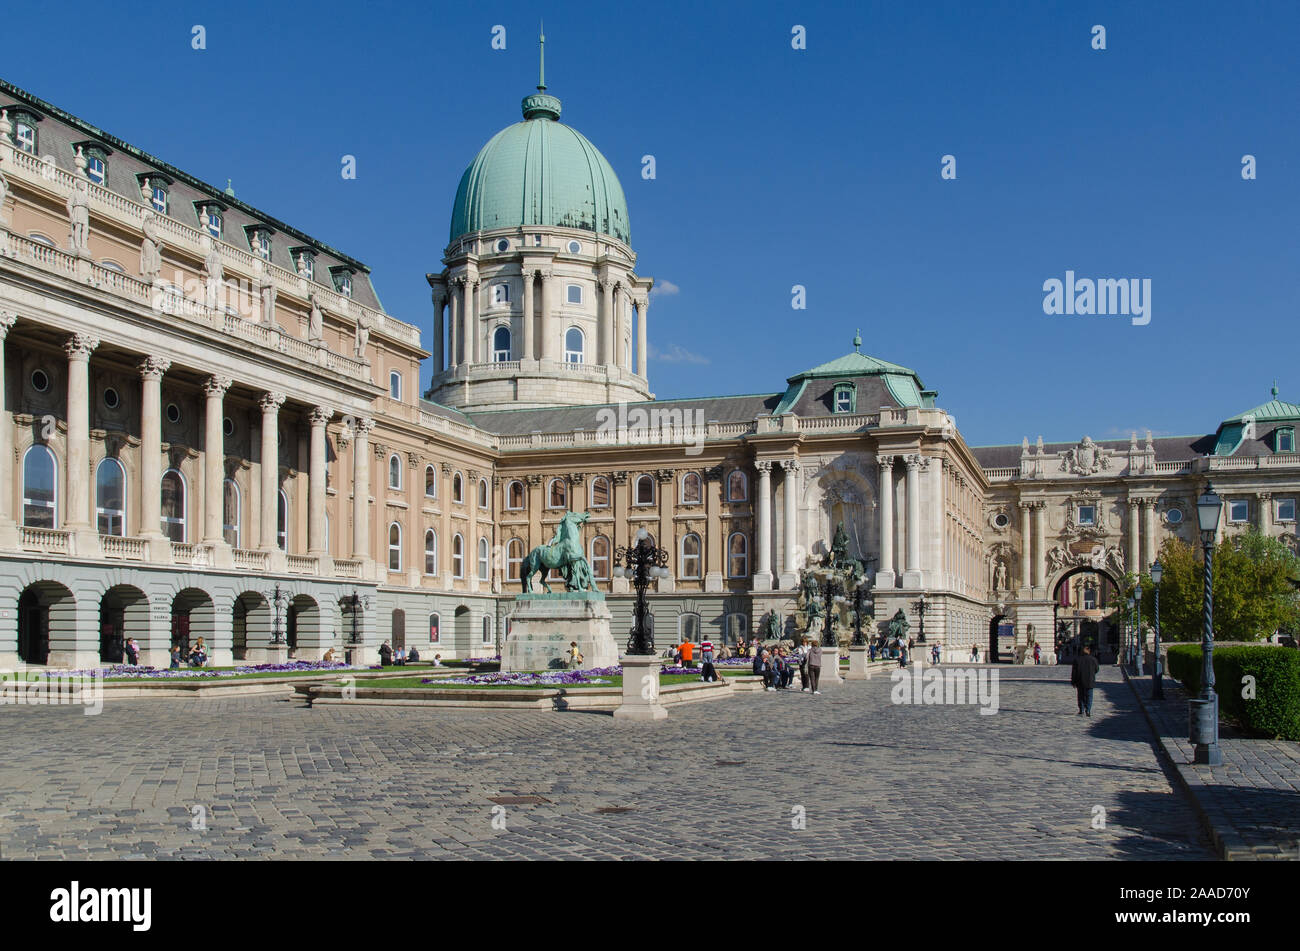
x=78, y=519
x=642, y=307
x=1026, y=546
x=789, y=576
x=1149, y=533
x=439, y=299
x=550, y=319
x=469, y=322
x=214, y=458
x=1134, y=539
x=1040, y=543
x=912, y=574
x=453, y=330
x=607, y=322
x=270, y=468
x=361, y=488
x=8, y=526
x=617, y=323
x=763, y=574
x=527, y=352
x=319, y=417
x=885, y=576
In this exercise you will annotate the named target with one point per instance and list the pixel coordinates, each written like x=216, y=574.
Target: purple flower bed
x=185, y=673
x=521, y=679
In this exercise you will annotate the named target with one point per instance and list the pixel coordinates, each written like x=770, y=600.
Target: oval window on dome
x=575, y=247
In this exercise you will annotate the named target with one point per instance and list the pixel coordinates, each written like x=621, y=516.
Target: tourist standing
x=803, y=665
x=934, y=655
x=1037, y=654
x=176, y=657
x=386, y=654
x=132, y=651
x=1084, y=677
x=815, y=665
x=974, y=653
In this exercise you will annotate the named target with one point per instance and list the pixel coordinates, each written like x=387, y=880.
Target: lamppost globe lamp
x=1203, y=715
x=640, y=563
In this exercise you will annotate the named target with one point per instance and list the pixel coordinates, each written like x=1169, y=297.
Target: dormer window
x=259, y=242
x=1284, y=441
x=846, y=397
x=342, y=280
x=156, y=193
x=25, y=131
x=96, y=163
x=304, y=262
x=213, y=213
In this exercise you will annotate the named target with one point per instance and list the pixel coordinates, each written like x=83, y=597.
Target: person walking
x=802, y=652
x=934, y=655
x=132, y=651
x=386, y=654
x=815, y=666
x=1083, y=675
x=1037, y=653
x=708, y=672
x=974, y=653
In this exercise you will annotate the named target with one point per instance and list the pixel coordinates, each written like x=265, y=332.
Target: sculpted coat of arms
x=1087, y=458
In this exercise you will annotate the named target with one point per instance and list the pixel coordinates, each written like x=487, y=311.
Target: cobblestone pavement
x=1252, y=802
x=873, y=779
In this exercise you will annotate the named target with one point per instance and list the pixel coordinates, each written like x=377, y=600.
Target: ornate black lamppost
x=1141, y=640
x=1204, y=710
x=1157, y=669
x=355, y=604
x=859, y=602
x=641, y=563
x=831, y=596
x=921, y=608
x=279, y=600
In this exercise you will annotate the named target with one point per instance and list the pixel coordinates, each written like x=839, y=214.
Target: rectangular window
x=95, y=170
x=1239, y=510
x=1087, y=514
x=1286, y=510
x=574, y=292
x=214, y=221
x=345, y=285
x=262, y=244
x=25, y=137
x=159, y=199
x=1286, y=440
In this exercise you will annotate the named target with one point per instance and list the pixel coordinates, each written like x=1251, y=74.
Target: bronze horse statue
x=564, y=553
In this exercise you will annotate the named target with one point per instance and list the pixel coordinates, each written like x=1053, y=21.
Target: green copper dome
x=540, y=172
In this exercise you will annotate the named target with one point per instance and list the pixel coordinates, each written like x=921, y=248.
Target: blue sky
x=778, y=167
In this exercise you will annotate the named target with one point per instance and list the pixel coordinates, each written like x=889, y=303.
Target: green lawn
x=613, y=681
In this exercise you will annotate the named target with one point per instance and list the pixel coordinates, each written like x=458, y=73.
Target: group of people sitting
x=777, y=664
x=198, y=655
x=402, y=656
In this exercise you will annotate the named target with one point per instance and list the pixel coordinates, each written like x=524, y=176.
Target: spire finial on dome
x=1275, y=389
x=541, y=73
x=857, y=341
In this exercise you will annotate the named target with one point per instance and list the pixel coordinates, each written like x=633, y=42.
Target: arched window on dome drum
x=599, y=494
x=110, y=497
x=737, y=556
x=557, y=495
x=39, y=484
x=691, y=488
x=515, y=495
x=600, y=557
x=645, y=490
x=690, y=559
x=501, y=343
x=573, y=345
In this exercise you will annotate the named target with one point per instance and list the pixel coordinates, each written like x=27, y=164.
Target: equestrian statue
x=563, y=553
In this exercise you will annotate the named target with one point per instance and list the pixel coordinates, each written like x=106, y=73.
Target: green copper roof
x=854, y=364
x=903, y=383
x=540, y=172
x=1274, y=409
x=1232, y=431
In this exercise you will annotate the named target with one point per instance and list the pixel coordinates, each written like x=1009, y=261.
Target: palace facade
x=211, y=427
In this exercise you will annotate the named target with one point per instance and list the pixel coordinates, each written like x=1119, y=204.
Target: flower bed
x=128, y=672
x=567, y=678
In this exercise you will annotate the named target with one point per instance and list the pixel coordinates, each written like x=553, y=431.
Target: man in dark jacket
x=815, y=665
x=385, y=654
x=1083, y=675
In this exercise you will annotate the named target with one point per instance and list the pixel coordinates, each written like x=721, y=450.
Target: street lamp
x=355, y=604
x=1203, y=712
x=1157, y=669
x=859, y=602
x=640, y=563
x=1128, y=634
x=832, y=596
x=1141, y=640
x=279, y=600
x=921, y=607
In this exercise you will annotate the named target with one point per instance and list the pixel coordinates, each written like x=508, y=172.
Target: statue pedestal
x=857, y=664
x=640, y=689
x=542, y=626
x=831, y=665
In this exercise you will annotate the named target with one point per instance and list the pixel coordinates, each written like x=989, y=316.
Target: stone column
x=1040, y=544
x=1149, y=530
x=1134, y=539
x=790, y=494
x=714, y=538
x=1026, y=545
x=912, y=572
x=527, y=352
x=469, y=323
x=78, y=520
x=151, y=374
x=319, y=418
x=763, y=543
x=607, y=322
x=8, y=526
x=642, y=307
x=270, y=468
x=471, y=535
x=214, y=458
x=1265, y=502
x=453, y=330
x=439, y=299
x=885, y=576
x=617, y=323
x=361, y=490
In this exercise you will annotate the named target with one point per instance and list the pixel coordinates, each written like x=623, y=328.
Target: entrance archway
x=251, y=625
x=1085, y=597
x=304, y=623
x=462, y=636
x=193, y=616
x=123, y=613
x=44, y=607
x=993, y=655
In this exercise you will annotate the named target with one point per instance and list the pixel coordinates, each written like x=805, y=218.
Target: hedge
x=1275, y=708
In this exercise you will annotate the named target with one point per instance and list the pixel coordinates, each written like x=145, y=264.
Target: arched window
x=430, y=482
x=557, y=495
x=458, y=557
x=230, y=512
x=110, y=497
x=599, y=493
x=394, y=547
x=484, y=571
x=487, y=629
x=514, y=558
x=394, y=471
x=573, y=345
x=430, y=552
x=690, y=557
x=501, y=344
x=435, y=623
x=482, y=493
x=282, y=522
x=737, y=556
x=600, y=557
x=395, y=385
x=457, y=489
x=39, y=488
x=688, y=627
x=515, y=495
x=645, y=490
x=691, y=488
x=737, y=486
x=173, y=505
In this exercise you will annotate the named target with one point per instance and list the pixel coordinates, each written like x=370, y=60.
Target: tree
x=1254, y=589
